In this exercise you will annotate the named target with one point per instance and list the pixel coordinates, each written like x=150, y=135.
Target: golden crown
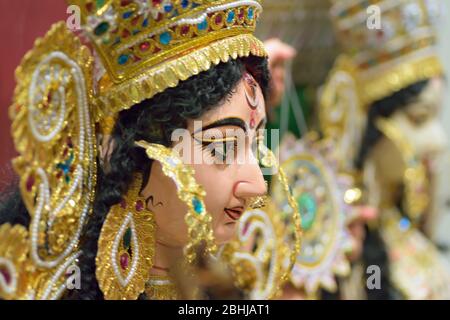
x=397, y=52
x=147, y=46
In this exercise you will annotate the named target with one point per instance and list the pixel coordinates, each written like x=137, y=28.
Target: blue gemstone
x=202, y=25
x=404, y=224
x=168, y=7
x=250, y=13
x=184, y=3
x=127, y=14
x=145, y=23
x=198, y=207
x=165, y=38
x=122, y=59
x=230, y=17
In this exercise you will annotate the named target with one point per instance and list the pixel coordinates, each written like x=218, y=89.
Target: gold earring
x=126, y=247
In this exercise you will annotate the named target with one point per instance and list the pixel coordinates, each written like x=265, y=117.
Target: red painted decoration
x=124, y=261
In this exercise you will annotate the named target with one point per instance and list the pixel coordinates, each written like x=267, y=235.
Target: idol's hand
x=279, y=52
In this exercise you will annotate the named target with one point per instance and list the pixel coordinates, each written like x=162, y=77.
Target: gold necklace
x=161, y=288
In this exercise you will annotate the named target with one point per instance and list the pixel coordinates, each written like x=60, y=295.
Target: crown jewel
x=140, y=39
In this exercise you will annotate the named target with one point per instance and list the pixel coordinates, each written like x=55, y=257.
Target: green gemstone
x=127, y=238
x=99, y=3
x=101, y=28
x=308, y=210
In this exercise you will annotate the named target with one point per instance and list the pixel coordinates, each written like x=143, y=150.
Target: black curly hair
x=152, y=120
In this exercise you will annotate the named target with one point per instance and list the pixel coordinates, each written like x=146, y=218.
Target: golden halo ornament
x=319, y=192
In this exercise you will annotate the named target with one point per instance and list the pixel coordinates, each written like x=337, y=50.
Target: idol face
x=420, y=122
x=420, y=126
x=221, y=146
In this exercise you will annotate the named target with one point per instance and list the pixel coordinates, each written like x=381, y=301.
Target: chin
x=225, y=233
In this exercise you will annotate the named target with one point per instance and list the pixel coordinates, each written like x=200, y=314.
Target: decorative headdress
x=134, y=50
x=394, y=54
x=387, y=46
x=148, y=46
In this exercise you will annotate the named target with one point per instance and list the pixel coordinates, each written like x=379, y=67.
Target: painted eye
x=222, y=151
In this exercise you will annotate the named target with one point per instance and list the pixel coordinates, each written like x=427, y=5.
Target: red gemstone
x=184, y=30
x=144, y=46
x=136, y=58
x=135, y=20
x=89, y=6
x=160, y=16
x=65, y=152
x=218, y=19
x=123, y=203
x=139, y=205
x=6, y=275
x=156, y=2
x=124, y=261
x=125, y=33
x=30, y=182
x=124, y=3
x=59, y=175
x=241, y=14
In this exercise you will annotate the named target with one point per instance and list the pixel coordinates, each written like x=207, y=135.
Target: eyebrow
x=225, y=122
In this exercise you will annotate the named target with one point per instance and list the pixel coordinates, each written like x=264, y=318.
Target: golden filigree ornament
x=146, y=46
x=14, y=247
x=258, y=254
x=319, y=191
x=53, y=133
x=260, y=258
x=190, y=192
x=126, y=247
x=415, y=180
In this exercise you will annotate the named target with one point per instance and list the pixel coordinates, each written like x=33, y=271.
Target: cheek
x=171, y=226
x=218, y=184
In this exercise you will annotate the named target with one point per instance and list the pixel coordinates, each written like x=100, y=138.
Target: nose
x=250, y=183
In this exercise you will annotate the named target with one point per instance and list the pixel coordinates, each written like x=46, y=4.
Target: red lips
x=234, y=213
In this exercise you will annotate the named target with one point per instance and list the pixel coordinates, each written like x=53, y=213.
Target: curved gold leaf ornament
x=319, y=192
x=341, y=116
x=190, y=192
x=53, y=132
